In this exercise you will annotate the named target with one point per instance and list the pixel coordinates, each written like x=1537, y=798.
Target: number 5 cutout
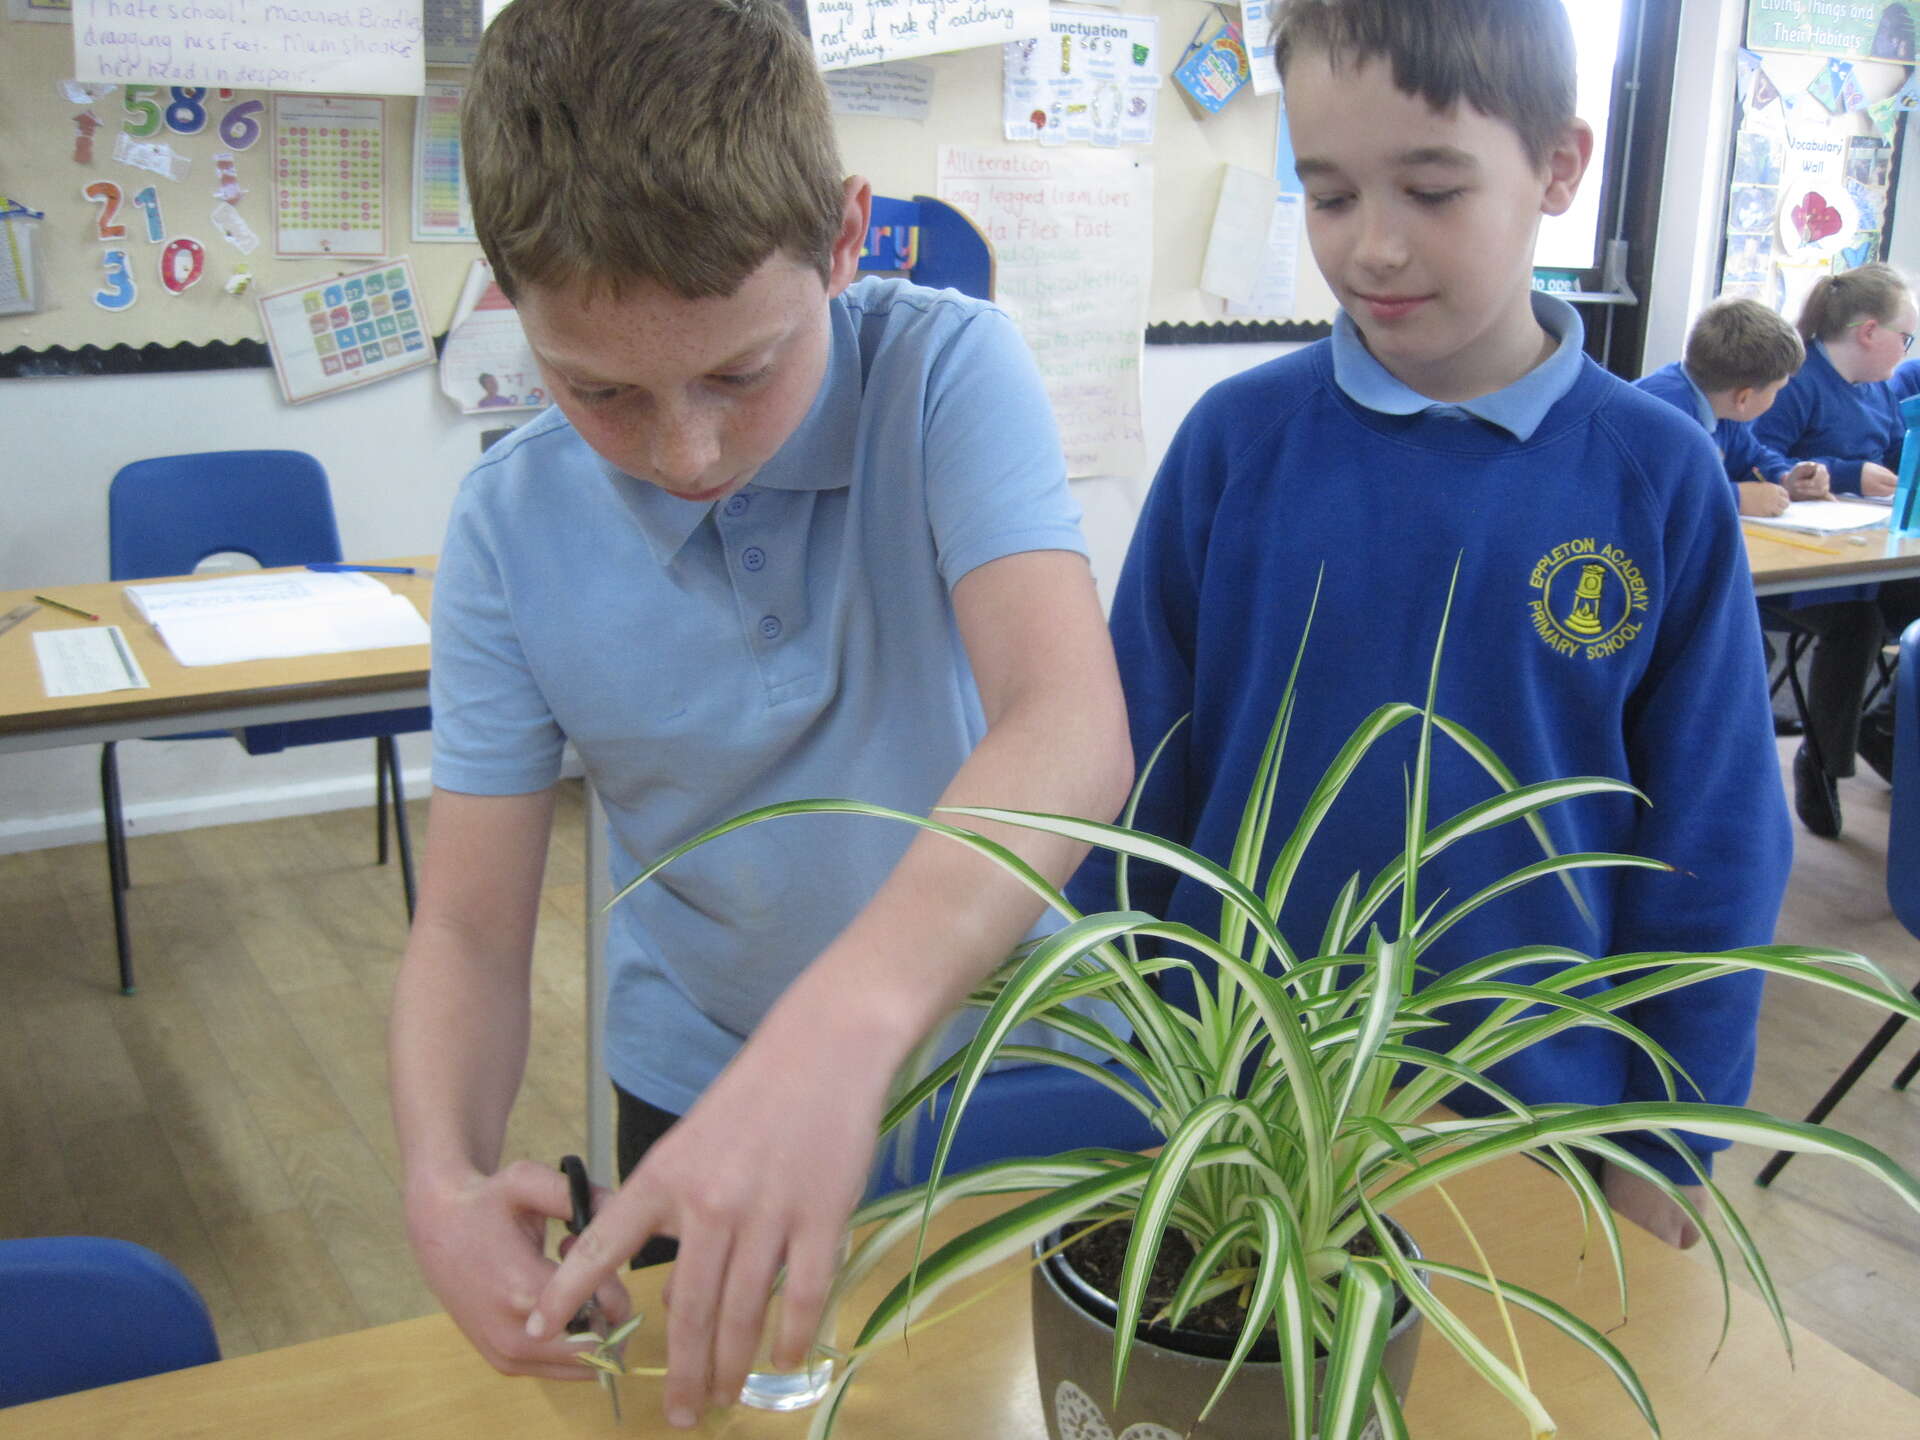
x=121, y=291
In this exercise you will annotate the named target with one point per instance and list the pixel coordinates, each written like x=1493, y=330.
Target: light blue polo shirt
x=796, y=640
x=1517, y=408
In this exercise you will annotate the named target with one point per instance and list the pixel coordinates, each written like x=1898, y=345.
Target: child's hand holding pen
x=1808, y=481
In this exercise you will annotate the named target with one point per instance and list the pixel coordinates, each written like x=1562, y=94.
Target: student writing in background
x=1842, y=409
x=784, y=533
x=1603, y=623
x=1739, y=354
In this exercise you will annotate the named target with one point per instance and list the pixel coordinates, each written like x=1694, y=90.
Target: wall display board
x=159, y=204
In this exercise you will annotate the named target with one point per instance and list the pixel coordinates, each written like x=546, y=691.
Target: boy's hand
x=1757, y=497
x=1648, y=1207
x=480, y=1241
x=1808, y=481
x=1877, y=480
x=763, y=1170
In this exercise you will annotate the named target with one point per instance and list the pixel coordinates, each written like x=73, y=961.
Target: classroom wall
x=395, y=452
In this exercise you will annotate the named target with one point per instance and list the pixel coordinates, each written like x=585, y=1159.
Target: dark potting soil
x=1098, y=1254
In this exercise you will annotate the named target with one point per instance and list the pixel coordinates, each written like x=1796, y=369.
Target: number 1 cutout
x=149, y=201
x=107, y=195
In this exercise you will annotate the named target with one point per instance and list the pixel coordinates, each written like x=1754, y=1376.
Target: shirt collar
x=1517, y=408
x=817, y=456
x=1702, y=407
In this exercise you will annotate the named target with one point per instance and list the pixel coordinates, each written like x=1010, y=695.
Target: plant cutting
x=1296, y=1103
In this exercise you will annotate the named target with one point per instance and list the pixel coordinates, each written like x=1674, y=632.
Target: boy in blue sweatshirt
x=1604, y=622
x=1739, y=355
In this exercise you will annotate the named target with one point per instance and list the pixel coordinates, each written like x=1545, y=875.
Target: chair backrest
x=167, y=514
x=78, y=1311
x=1903, y=829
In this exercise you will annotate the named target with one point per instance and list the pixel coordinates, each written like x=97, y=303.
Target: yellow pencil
x=70, y=609
x=1796, y=544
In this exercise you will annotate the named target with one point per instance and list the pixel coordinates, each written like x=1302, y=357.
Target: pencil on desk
x=1796, y=544
x=70, y=609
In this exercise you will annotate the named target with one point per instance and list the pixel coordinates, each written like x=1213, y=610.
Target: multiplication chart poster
x=347, y=330
x=329, y=175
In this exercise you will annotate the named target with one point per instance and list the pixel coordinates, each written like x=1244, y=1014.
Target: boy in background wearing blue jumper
x=1604, y=622
x=783, y=534
x=1739, y=356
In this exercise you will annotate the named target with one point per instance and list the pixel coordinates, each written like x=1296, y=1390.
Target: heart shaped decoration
x=1814, y=219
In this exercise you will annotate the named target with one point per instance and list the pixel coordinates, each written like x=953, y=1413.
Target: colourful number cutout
x=133, y=97
x=238, y=127
x=121, y=291
x=187, y=115
x=106, y=195
x=182, y=263
x=149, y=201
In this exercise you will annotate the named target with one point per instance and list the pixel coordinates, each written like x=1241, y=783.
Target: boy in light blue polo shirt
x=783, y=535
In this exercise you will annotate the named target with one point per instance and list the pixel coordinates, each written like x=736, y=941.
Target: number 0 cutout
x=182, y=263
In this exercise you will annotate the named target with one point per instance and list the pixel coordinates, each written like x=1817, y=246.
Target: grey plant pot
x=1166, y=1389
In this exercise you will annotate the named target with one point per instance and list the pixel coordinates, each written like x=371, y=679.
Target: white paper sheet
x=280, y=632
x=1274, y=291
x=229, y=594
x=371, y=47
x=88, y=661
x=866, y=32
x=901, y=91
x=1823, y=517
x=1237, y=243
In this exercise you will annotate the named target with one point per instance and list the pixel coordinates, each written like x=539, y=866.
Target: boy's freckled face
x=693, y=396
x=1423, y=223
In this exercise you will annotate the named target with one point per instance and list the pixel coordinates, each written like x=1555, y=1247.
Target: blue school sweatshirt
x=1603, y=624
x=1821, y=416
x=1740, y=453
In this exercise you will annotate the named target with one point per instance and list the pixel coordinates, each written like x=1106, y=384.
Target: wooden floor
x=233, y=1114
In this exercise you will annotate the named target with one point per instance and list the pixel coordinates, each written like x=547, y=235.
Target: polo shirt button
x=770, y=627
x=753, y=557
x=737, y=505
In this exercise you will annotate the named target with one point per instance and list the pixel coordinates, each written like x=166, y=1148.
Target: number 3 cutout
x=121, y=291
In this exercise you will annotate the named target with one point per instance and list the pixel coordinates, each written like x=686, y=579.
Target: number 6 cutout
x=109, y=197
x=182, y=263
x=121, y=292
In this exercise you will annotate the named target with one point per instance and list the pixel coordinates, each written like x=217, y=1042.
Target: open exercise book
x=272, y=616
x=1825, y=517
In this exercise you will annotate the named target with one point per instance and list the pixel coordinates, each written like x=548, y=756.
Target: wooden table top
x=973, y=1376
x=181, y=692
x=1789, y=560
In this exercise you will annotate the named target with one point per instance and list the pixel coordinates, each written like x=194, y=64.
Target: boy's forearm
x=946, y=916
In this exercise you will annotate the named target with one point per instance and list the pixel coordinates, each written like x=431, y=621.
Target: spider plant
x=1294, y=1102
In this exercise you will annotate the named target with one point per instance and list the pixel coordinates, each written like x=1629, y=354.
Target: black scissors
x=589, y=1318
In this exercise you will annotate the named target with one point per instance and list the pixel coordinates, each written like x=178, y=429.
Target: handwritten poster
x=1072, y=232
x=374, y=47
x=329, y=163
x=1094, y=78
x=901, y=91
x=866, y=32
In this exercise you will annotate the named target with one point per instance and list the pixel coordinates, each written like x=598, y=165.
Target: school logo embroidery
x=1591, y=599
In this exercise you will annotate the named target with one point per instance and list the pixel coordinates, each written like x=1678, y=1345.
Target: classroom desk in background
x=1792, y=561
x=184, y=698
x=972, y=1376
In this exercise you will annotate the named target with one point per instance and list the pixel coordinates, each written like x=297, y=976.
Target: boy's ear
x=1566, y=163
x=856, y=208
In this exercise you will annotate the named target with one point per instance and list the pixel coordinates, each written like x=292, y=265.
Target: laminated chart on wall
x=372, y=47
x=346, y=331
x=60, y=12
x=441, y=210
x=1093, y=78
x=329, y=175
x=866, y=32
x=452, y=31
x=1072, y=232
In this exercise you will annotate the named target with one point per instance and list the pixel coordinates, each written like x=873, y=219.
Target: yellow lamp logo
x=1584, y=618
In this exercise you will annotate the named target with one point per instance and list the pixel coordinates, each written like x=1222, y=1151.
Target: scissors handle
x=580, y=1199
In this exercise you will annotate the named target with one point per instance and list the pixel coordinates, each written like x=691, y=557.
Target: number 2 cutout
x=107, y=195
x=181, y=263
x=149, y=201
x=121, y=291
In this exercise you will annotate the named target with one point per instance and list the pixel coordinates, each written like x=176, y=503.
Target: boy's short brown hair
x=677, y=142
x=1512, y=60
x=1740, y=343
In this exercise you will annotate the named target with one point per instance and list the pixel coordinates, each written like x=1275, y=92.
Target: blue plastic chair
x=1020, y=1111
x=164, y=517
x=1903, y=877
x=78, y=1311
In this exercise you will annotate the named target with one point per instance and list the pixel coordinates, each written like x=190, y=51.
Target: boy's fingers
x=740, y=1320
x=698, y=1275
x=623, y=1225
